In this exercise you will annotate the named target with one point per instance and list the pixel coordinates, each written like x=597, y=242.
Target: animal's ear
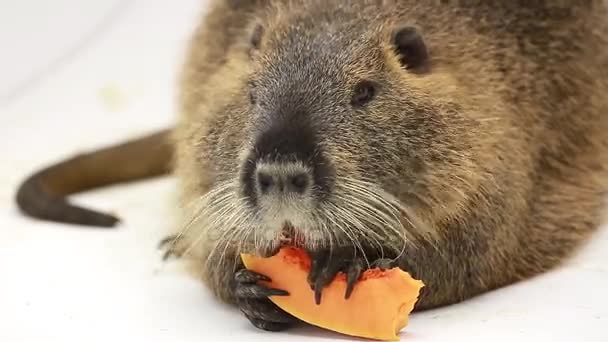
x=256, y=36
x=411, y=49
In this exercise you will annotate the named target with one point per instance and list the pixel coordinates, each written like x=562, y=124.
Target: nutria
x=463, y=141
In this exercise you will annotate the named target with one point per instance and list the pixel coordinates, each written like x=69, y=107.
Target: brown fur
x=505, y=148
x=498, y=154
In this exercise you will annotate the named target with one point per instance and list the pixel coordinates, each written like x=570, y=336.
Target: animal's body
x=466, y=142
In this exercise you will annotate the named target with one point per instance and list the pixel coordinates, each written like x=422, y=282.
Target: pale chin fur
x=297, y=212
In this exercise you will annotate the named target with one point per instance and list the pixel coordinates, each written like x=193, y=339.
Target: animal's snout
x=286, y=165
x=282, y=178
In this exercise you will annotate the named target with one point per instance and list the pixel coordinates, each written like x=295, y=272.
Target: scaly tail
x=43, y=195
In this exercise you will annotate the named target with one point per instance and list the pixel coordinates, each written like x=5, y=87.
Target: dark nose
x=283, y=178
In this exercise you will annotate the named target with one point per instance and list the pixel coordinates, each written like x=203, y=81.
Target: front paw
x=170, y=246
x=252, y=299
x=326, y=264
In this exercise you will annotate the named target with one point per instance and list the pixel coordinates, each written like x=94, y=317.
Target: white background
x=77, y=74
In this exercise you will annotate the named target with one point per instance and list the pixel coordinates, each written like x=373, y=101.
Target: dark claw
x=352, y=275
x=326, y=265
x=324, y=278
x=252, y=299
x=249, y=277
x=319, y=260
x=268, y=326
x=318, y=291
x=168, y=245
x=246, y=287
x=265, y=310
x=253, y=291
x=169, y=239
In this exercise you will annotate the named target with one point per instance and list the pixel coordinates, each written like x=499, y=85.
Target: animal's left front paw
x=253, y=301
x=169, y=245
x=326, y=264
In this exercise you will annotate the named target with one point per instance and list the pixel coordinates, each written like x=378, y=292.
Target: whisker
x=203, y=204
x=360, y=221
x=345, y=230
x=324, y=229
x=386, y=200
x=236, y=229
x=374, y=213
x=379, y=212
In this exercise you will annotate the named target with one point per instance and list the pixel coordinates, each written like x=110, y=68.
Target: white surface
x=66, y=86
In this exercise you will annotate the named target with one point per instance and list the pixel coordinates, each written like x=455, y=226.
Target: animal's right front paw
x=252, y=299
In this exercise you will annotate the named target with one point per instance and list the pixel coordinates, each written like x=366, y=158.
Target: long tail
x=44, y=194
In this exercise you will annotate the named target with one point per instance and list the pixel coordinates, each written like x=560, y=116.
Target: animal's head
x=341, y=126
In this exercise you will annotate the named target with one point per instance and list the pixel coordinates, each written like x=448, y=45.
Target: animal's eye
x=364, y=93
x=256, y=36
